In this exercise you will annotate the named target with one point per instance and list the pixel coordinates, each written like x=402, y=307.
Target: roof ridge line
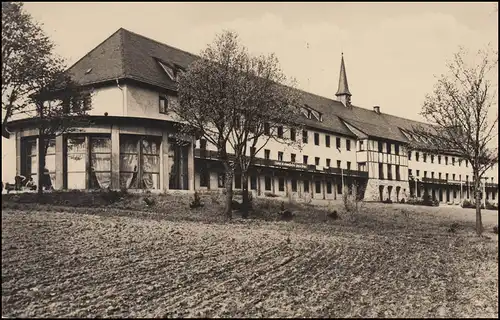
x=97, y=46
x=161, y=43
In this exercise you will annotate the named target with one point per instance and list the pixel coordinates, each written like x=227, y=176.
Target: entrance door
x=178, y=160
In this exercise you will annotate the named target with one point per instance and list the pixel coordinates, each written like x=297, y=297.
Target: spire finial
x=343, y=85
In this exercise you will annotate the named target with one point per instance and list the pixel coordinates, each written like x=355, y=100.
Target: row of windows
x=439, y=158
x=388, y=147
x=268, y=184
x=389, y=172
x=305, y=137
x=446, y=177
x=305, y=159
x=438, y=194
x=87, y=162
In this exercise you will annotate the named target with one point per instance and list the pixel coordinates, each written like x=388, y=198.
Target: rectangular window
x=396, y=148
x=446, y=160
x=221, y=180
x=339, y=163
x=439, y=159
x=432, y=158
x=327, y=141
x=163, y=104
x=381, y=171
x=29, y=166
x=280, y=156
x=452, y=161
x=447, y=176
x=267, y=183
x=306, y=185
x=267, y=128
x=398, y=174
x=409, y=172
x=389, y=171
x=294, y=185
x=76, y=162
x=318, y=186
x=293, y=134
x=281, y=184
x=459, y=162
x=204, y=175
x=305, y=159
x=388, y=147
x=237, y=181
x=292, y=157
x=439, y=175
x=348, y=145
x=253, y=183
x=466, y=163
x=416, y=156
x=338, y=143
x=453, y=177
x=267, y=154
x=329, y=187
x=432, y=174
x=328, y=163
x=100, y=162
x=316, y=138
x=409, y=155
x=252, y=151
x=425, y=174
x=316, y=161
x=418, y=173
x=140, y=162
x=361, y=145
x=304, y=136
x=348, y=165
x=280, y=132
x=425, y=157
x=380, y=146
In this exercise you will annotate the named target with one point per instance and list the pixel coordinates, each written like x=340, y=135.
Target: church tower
x=343, y=94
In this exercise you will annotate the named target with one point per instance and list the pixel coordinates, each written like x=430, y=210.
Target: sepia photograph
x=249, y=159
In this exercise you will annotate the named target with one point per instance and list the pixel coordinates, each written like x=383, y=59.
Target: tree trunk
x=229, y=191
x=479, y=222
x=41, y=161
x=245, y=207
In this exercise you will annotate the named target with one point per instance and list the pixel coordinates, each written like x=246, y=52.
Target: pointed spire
x=343, y=89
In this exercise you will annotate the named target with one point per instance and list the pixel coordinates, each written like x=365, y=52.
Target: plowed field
x=78, y=265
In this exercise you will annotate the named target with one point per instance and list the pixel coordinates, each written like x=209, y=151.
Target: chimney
x=376, y=109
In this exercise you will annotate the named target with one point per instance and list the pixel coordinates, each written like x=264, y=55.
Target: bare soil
x=387, y=261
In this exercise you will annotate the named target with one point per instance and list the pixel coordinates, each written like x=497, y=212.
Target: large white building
x=131, y=142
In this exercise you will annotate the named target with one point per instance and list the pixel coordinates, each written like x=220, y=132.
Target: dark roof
x=126, y=54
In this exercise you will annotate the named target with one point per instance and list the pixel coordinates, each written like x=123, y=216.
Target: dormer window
x=172, y=70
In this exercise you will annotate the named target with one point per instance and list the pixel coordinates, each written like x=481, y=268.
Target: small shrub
x=491, y=206
x=112, y=196
x=235, y=205
x=453, y=228
x=150, y=202
x=435, y=203
x=270, y=194
x=196, y=203
x=284, y=213
x=495, y=229
x=402, y=200
x=333, y=215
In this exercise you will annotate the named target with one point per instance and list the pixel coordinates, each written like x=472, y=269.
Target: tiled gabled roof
x=126, y=54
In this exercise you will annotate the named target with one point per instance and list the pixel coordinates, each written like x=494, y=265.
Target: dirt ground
x=392, y=261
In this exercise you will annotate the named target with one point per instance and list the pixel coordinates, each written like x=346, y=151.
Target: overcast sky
x=392, y=50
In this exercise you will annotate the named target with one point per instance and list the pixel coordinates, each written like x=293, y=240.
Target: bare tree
x=34, y=83
x=227, y=96
x=458, y=111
